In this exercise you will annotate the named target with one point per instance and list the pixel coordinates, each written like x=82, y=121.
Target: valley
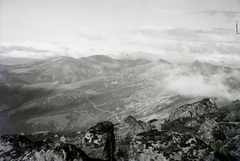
x=146, y=90
x=119, y=80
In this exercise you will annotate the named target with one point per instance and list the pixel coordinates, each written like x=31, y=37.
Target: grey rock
x=155, y=146
x=194, y=110
x=229, y=150
x=210, y=132
x=131, y=126
x=230, y=129
x=11, y=142
x=56, y=152
x=192, y=123
x=234, y=112
x=17, y=148
x=156, y=124
x=99, y=141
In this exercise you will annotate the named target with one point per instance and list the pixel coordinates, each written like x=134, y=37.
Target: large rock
x=57, y=152
x=124, y=132
x=234, y=112
x=156, y=124
x=229, y=150
x=210, y=133
x=194, y=110
x=230, y=129
x=99, y=141
x=11, y=142
x=20, y=148
x=74, y=138
x=137, y=126
x=156, y=146
x=131, y=126
x=192, y=124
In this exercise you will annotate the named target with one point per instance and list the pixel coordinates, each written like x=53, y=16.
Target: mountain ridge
x=66, y=69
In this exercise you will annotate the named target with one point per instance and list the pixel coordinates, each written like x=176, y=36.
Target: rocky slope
x=198, y=131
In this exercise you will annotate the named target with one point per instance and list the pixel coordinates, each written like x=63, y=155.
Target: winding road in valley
x=95, y=106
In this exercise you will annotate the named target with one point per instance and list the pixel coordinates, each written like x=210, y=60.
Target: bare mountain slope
x=147, y=91
x=65, y=69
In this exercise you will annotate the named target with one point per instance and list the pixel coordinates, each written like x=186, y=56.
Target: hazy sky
x=177, y=30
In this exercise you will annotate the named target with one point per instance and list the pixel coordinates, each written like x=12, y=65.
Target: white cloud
x=203, y=85
x=182, y=45
x=186, y=34
x=227, y=14
x=223, y=60
x=137, y=55
x=202, y=48
x=38, y=50
x=228, y=49
x=89, y=34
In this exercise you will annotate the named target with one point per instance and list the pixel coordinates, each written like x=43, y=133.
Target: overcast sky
x=177, y=30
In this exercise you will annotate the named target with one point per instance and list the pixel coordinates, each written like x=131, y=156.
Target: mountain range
x=68, y=94
x=65, y=69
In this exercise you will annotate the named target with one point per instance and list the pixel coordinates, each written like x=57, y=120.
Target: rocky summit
x=99, y=141
x=198, y=131
x=20, y=148
x=166, y=145
x=195, y=110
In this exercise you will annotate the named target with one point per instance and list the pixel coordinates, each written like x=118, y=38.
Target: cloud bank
x=178, y=45
x=227, y=14
x=199, y=83
x=38, y=50
x=186, y=34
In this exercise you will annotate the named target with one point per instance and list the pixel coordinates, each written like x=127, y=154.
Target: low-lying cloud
x=186, y=34
x=228, y=49
x=202, y=84
x=228, y=14
x=174, y=51
x=37, y=50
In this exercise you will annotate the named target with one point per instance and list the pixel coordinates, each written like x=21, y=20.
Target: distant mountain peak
x=99, y=56
x=197, y=62
x=102, y=58
x=60, y=58
x=163, y=61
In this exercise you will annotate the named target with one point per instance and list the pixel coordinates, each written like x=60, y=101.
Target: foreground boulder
x=198, y=131
x=195, y=110
x=136, y=126
x=12, y=142
x=230, y=129
x=156, y=124
x=56, y=152
x=131, y=126
x=17, y=147
x=233, y=114
x=99, y=141
x=124, y=133
x=211, y=133
x=155, y=146
x=229, y=150
x=192, y=124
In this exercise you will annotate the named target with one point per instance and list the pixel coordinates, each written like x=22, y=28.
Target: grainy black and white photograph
x=119, y=80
